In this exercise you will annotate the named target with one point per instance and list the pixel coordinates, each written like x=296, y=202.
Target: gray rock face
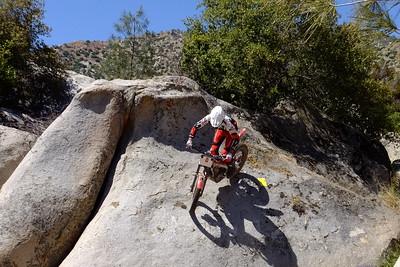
x=14, y=144
x=45, y=203
x=392, y=145
x=331, y=149
x=14, y=119
x=299, y=219
x=78, y=81
x=281, y=212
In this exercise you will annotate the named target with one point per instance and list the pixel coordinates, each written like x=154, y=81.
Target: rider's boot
x=228, y=158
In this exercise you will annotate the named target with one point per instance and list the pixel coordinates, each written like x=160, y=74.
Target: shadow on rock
x=332, y=149
x=243, y=201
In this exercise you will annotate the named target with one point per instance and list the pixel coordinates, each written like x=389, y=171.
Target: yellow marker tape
x=263, y=182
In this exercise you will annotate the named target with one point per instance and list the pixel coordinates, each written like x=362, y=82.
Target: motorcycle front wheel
x=197, y=191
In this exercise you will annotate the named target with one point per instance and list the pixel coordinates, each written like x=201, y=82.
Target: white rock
x=14, y=144
x=356, y=232
x=78, y=81
x=45, y=203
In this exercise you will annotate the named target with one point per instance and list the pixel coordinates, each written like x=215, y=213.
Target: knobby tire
x=245, y=151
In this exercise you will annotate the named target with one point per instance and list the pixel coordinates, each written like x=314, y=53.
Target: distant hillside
x=390, y=64
x=390, y=50
x=84, y=56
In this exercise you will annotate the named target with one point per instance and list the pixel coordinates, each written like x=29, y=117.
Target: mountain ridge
x=84, y=57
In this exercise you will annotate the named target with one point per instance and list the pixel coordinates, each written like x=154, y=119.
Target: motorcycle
x=214, y=168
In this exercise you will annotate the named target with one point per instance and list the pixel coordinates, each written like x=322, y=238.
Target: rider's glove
x=189, y=143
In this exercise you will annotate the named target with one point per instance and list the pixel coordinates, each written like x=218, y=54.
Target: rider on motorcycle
x=226, y=130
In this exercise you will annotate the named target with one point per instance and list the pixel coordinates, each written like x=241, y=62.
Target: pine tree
x=130, y=54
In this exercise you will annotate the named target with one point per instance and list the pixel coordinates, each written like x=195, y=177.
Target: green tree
x=31, y=76
x=256, y=52
x=232, y=55
x=376, y=14
x=130, y=54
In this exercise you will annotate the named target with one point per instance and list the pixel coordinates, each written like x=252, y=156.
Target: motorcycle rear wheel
x=238, y=161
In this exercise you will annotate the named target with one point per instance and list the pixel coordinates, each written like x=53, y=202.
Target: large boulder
x=297, y=218
x=78, y=82
x=392, y=145
x=14, y=144
x=281, y=212
x=46, y=202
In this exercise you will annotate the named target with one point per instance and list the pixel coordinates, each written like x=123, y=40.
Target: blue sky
x=73, y=20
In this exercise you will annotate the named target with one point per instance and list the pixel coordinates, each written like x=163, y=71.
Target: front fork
x=194, y=178
x=201, y=183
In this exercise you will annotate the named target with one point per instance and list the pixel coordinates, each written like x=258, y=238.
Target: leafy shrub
x=254, y=53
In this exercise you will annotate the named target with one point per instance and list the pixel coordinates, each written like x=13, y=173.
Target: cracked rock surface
x=299, y=219
x=132, y=146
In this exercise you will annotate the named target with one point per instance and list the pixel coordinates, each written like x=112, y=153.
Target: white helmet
x=217, y=116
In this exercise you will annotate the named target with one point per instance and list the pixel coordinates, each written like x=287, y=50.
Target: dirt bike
x=214, y=168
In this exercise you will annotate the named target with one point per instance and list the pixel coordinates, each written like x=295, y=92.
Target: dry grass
x=271, y=159
x=298, y=205
x=391, y=196
x=253, y=161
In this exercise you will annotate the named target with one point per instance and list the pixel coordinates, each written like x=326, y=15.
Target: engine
x=218, y=173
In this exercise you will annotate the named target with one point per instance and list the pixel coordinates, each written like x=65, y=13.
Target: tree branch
x=355, y=2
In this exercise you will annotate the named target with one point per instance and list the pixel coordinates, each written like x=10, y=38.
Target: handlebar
x=195, y=149
x=207, y=153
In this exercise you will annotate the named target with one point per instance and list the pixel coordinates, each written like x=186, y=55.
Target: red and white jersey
x=228, y=124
